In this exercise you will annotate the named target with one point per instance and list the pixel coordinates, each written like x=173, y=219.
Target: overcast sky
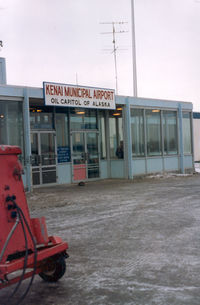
x=61, y=41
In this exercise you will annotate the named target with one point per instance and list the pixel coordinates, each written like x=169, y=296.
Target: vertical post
x=27, y=140
x=6, y=133
x=145, y=141
x=162, y=139
x=134, y=50
x=181, y=150
x=128, y=142
x=192, y=137
x=108, y=144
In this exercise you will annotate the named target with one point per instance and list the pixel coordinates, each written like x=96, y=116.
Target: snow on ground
x=130, y=242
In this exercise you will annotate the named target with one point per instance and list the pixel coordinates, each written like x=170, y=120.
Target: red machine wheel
x=54, y=269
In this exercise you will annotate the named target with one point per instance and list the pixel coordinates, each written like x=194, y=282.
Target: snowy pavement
x=130, y=242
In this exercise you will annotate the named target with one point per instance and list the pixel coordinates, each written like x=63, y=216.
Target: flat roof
x=37, y=93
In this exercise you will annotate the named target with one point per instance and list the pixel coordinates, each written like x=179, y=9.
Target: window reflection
x=116, y=134
x=41, y=118
x=170, y=132
x=149, y=120
x=11, y=125
x=153, y=132
x=62, y=130
x=83, y=119
x=102, y=132
x=137, y=131
x=187, y=139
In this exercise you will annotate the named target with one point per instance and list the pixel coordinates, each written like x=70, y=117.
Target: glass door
x=43, y=158
x=85, y=155
x=48, y=157
x=78, y=156
x=35, y=158
x=92, y=151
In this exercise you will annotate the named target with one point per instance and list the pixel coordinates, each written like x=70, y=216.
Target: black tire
x=56, y=267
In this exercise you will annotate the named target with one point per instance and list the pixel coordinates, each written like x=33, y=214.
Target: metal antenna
x=114, y=51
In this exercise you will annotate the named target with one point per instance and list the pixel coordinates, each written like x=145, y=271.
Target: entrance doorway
x=85, y=155
x=43, y=157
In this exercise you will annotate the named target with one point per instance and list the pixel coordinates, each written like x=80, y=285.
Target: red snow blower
x=25, y=247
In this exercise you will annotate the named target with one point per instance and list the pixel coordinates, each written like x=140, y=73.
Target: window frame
x=161, y=110
x=191, y=139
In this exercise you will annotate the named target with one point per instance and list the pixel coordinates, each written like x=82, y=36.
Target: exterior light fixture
x=39, y=110
x=2, y=116
x=80, y=112
x=119, y=108
x=116, y=114
x=155, y=110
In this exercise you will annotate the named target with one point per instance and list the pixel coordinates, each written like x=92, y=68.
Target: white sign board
x=78, y=96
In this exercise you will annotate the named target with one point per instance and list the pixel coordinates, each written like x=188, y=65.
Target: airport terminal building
x=71, y=133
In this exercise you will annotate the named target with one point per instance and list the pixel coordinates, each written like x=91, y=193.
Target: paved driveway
x=129, y=243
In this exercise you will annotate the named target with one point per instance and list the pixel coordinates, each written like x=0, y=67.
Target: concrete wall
x=145, y=166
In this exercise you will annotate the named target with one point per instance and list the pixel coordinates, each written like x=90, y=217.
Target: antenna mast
x=135, y=93
x=114, y=51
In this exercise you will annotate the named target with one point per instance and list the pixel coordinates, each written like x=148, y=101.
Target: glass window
x=187, y=139
x=170, y=132
x=102, y=132
x=113, y=137
x=62, y=130
x=77, y=119
x=153, y=132
x=90, y=119
x=83, y=119
x=137, y=131
x=62, y=136
x=41, y=118
x=116, y=134
x=11, y=124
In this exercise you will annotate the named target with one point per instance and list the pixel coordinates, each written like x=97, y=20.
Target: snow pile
x=197, y=167
x=168, y=175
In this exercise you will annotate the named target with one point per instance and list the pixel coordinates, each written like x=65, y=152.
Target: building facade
x=196, y=129
x=65, y=142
